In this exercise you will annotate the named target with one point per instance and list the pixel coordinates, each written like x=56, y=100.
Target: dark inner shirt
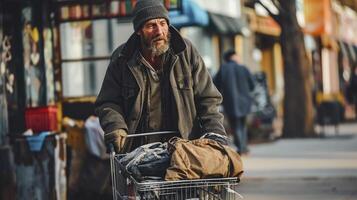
x=159, y=112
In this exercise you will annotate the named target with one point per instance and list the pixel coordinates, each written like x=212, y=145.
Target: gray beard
x=156, y=51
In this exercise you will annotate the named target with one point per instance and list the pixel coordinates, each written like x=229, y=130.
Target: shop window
x=74, y=10
x=83, y=78
x=84, y=39
x=86, y=48
x=206, y=44
x=89, y=32
x=37, y=43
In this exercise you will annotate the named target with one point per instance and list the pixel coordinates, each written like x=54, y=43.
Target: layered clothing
x=122, y=100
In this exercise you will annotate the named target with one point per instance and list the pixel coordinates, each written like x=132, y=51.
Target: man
x=156, y=81
x=235, y=83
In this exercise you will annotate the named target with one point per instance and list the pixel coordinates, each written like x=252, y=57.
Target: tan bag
x=202, y=158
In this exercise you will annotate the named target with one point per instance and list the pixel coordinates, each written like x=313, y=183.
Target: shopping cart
x=126, y=187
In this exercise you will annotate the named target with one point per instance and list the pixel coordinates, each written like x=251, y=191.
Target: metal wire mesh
x=200, y=189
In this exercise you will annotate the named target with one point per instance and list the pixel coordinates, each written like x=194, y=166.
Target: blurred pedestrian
x=235, y=82
x=353, y=89
x=157, y=81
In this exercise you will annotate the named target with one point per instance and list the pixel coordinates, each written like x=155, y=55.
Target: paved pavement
x=299, y=189
x=314, y=168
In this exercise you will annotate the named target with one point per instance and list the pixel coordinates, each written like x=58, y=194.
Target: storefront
x=318, y=24
x=211, y=30
x=266, y=54
x=346, y=19
x=332, y=55
x=27, y=84
x=53, y=58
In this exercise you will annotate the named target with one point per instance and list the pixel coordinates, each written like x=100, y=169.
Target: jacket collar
x=177, y=43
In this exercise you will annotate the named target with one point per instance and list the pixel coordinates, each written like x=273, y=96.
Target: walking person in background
x=157, y=81
x=353, y=89
x=235, y=83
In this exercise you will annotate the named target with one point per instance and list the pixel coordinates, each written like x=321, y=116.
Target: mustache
x=159, y=38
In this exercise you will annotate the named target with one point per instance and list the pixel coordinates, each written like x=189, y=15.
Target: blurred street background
x=302, y=129
x=316, y=168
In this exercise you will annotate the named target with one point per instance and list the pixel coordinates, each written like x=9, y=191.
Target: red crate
x=41, y=118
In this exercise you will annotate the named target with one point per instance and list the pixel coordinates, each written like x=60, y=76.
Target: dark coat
x=120, y=102
x=353, y=84
x=352, y=89
x=235, y=83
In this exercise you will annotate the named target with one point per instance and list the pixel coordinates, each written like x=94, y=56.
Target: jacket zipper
x=141, y=100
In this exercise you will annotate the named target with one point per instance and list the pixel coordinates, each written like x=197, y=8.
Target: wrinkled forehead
x=156, y=20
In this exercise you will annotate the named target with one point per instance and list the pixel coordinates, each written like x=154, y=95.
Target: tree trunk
x=298, y=107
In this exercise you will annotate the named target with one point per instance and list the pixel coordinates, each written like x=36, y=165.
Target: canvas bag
x=202, y=158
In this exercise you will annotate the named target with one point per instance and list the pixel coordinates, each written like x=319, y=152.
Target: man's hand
x=222, y=139
x=117, y=138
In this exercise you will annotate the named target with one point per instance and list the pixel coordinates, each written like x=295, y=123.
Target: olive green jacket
x=120, y=102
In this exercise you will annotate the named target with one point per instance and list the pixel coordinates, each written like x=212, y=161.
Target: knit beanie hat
x=148, y=9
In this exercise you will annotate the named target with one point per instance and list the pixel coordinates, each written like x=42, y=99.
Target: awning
x=191, y=15
x=227, y=25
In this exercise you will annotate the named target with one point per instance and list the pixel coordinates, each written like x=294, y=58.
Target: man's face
x=155, y=36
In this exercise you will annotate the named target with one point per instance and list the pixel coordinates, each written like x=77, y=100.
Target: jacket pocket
x=127, y=95
x=184, y=83
x=128, y=91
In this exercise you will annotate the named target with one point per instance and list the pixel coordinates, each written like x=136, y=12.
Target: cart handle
x=111, y=149
x=151, y=134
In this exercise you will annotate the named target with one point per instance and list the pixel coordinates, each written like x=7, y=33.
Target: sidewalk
x=303, y=169
x=331, y=156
